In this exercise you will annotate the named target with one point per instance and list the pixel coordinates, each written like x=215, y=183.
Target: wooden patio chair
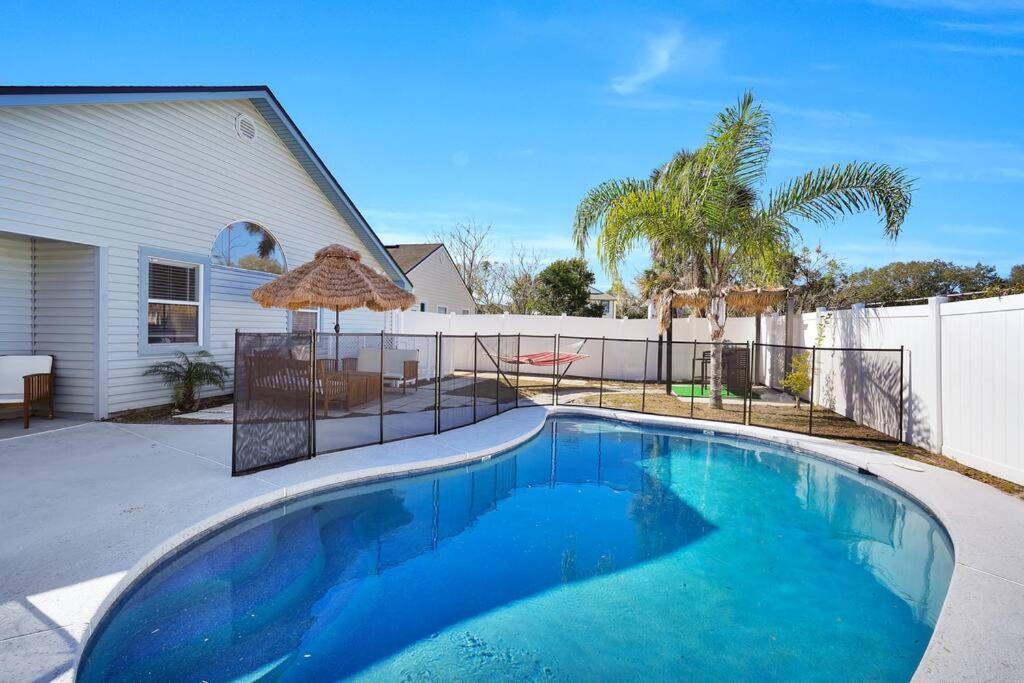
x=26, y=381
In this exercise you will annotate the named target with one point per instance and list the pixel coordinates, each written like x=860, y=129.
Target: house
x=436, y=282
x=135, y=222
x=607, y=301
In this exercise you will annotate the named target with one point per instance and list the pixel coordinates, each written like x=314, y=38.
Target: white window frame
x=198, y=303
x=202, y=266
x=314, y=311
x=443, y=310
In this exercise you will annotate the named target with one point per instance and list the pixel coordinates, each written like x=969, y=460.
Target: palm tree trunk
x=716, y=324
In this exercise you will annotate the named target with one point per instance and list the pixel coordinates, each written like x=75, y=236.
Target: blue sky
x=508, y=113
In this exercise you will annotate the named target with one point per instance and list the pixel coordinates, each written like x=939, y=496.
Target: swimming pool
x=595, y=550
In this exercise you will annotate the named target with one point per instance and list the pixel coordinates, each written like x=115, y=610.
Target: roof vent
x=245, y=127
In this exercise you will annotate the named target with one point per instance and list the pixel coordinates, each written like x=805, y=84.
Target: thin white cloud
x=860, y=254
x=972, y=49
x=824, y=116
x=1000, y=28
x=664, y=53
x=972, y=6
x=973, y=230
x=654, y=102
x=659, y=57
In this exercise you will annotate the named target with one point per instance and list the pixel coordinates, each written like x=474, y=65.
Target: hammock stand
x=549, y=359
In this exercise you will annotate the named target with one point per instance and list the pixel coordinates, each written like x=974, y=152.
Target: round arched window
x=249, y=246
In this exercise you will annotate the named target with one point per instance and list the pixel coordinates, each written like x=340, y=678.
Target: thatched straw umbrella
x=755, y=300
x=745, y=300
x=335, y=278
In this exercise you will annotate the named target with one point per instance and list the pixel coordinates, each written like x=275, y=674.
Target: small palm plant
x=187, y=375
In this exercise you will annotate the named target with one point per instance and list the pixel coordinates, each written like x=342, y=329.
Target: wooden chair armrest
x=410, y=369
x=38, y=386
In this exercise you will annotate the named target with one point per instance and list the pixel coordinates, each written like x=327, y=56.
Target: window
x=442, y=309
x=305, y=320
x=174, y=302
x=465, y=311
x=423, y=307
x=250, y=247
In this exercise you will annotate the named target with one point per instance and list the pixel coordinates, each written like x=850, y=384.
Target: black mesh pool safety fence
x=298, y=395
x=273, y=400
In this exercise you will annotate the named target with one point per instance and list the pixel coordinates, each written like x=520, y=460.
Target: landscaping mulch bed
x=166, y=414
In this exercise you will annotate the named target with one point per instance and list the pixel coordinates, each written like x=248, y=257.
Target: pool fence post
x=668, y=350
x=519, y=352
x=437, y=382
x=497, y=378
x=747, y=393
x=600, y=386
x=751, y=352
x=475, y=350
x=234, y=411
x=554, y=373
x=311, y=440
x=693, y=380
x=902, y=436
x=381, y=369
x=643, y=387
x=810, y=406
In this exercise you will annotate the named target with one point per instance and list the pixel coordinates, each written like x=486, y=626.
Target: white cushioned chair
x=401, y=366
x=26, y=381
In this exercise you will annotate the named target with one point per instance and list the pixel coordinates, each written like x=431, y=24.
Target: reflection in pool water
x=595, y=550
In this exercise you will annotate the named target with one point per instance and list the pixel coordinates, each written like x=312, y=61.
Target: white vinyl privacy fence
x=961, y=370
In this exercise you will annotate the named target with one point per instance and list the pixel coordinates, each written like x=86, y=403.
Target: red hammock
x=543, y=358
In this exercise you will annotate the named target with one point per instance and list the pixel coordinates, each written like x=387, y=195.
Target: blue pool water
x=595, y=551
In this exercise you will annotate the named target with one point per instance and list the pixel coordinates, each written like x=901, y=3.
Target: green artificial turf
x=687, y=390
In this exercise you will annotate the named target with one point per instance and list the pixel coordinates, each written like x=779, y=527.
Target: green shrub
x=798, y=381
x=187, y=375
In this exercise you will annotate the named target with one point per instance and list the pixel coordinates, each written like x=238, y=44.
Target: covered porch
x=50, y=305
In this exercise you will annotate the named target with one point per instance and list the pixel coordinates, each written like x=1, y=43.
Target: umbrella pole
x=337, y=340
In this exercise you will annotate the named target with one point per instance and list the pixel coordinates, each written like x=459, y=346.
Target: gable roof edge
x=264, y=100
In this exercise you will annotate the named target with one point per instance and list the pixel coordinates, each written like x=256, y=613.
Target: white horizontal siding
x=168, y=175
x=436, y=282
x=15, y=294
x=231, y=308
x=64, y=321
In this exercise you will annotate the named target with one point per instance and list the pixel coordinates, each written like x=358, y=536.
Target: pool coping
x=980, y=631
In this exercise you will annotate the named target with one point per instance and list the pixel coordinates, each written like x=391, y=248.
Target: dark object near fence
x=298, y=395
x=735, y=370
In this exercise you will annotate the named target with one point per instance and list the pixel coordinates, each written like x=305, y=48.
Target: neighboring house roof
x=265, y=102
x=411, y=255
x=408, y=256
x=597, y=295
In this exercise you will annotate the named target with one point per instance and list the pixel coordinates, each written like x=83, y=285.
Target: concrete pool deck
x=86, y=509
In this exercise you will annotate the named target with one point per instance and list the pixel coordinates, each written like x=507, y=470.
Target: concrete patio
x=82, y=506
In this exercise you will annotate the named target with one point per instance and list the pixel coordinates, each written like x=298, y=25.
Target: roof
x=265, y=102
x=597, y=295
x=408, y=256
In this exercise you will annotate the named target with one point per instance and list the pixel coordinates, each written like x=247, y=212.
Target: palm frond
x=741, y=140
x=830, y=193
x=598, y=201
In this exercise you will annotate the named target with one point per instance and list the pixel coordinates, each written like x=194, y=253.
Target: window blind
x=170, y=282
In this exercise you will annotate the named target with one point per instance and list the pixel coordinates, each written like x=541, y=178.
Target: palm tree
x=186, y=375
x=707, y=222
